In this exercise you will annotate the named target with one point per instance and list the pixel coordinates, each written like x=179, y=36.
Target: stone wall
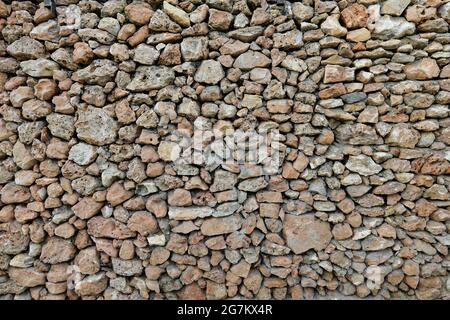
x=105, y=196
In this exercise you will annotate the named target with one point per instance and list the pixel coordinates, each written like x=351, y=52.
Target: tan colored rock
x=418, y=13
x=108, y=228
x=45, y=89
x=13, y=238
x=86, y=208
x=22, y=156
x=138, y=13
x=27, y=277
x=402, y=135
x=143, y=222
x=305, y=232
x=432, y=165
x=373, y=243
x=355, y=16
x=92, y=285
x=250, y=60
x=180, y=198
x=332, y=27
x=191, y=292
x=301, y=162
x=302, y=12
x=220, y=20
x=82, y=53
x=210, y=72
x=26, y=48
x=117, y=194
x=12, y=193
x=57, y=250
x=190, y=213
x=394, y=7
x=363, y=165
x=138, y=37
x=342, y=231
x=358, y=35
x=423, y=69
x=335, y=73
x=124, y=113
x=216, y=226
x=88, y=261
x=95, y=126
x=176, y=14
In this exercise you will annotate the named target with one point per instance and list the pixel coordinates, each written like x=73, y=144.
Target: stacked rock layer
x=95, y=103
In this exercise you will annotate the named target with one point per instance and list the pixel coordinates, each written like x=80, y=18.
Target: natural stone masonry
x=96, y=105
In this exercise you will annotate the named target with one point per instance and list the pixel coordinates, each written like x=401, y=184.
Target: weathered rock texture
x=94, y=204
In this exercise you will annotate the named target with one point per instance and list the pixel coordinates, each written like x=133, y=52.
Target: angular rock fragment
x=194, y=48
x=403, y=136
x=216, y=226
x=388, y=27
x=26, y=48
x=250, y=60
x=189, y=213
x=82, y=153
x=57, y=250
x=108, y=228
x=13, y=193
x=355, y=16
x=253, y=185
x=27, y=277
x=363, y=165
x=145, y=54
x=394, y=8
x=210, y=72
x=290, y=40
x=177, y=14
x=149, y=78
x=161, y=22
x=13, y=239
x=98, y=72
x=92, y=285
x=60, y=125
x=95, y=126
x=423, y=69
x=39, y=68
x=338, y=74
x=305, y=232
x=127, y=267
x=87, y=208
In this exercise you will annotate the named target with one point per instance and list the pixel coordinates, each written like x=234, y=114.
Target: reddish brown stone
x=355, y=16
x=433, y=165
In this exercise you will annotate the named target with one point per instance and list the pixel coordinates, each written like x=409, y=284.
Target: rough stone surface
x=363, y=165
x=148, y=78
x=305, y=232
x=210, y=71
x=423, y=69
x=95, y=126
x=57, y=250
x=137, y=144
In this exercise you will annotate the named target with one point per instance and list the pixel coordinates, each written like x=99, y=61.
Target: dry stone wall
x=104, y=194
